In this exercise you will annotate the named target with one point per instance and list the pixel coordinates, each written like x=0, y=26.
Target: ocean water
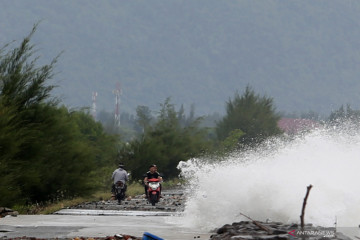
x=270, y=182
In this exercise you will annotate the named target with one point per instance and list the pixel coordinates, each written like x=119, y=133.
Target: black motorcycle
x=120, y=189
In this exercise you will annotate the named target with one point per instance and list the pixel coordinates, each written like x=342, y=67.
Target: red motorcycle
x=153, y=191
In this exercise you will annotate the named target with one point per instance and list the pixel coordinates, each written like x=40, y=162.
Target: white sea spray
x=270, y=183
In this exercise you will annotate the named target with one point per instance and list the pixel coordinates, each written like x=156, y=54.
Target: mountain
x=303, y=53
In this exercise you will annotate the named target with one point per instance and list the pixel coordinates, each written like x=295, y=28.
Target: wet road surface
x=71, y=226
x=106, y=218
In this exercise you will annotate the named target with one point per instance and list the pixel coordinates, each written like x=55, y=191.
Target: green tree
x=254, y=115
x=344, y=114
x=165, y=143
x=47, y=152
x=346, y=117
x=11, y=139
x=144, y=118
x=103, y=147
x=232, y=141
x=22, y=88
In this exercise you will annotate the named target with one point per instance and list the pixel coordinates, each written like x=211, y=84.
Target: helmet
x=121, y=165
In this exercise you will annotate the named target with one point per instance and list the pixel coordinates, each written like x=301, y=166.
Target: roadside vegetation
x=134, y=189
x=53, y=157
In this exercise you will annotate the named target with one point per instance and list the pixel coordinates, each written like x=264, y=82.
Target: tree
x=232, y=141
x=22, y=83
x=165, y=142
x=345, y=119
x=46, y=151
x=254, y=115
x=344, y=115
x=22, y=89
x=11, y=139
x=144, y=118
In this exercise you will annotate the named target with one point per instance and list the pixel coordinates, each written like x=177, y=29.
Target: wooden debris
x=304, y=205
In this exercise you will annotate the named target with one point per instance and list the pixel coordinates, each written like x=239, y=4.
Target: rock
x=279, y=231
x=7, y=212
x=172, y=201
x=125, y=237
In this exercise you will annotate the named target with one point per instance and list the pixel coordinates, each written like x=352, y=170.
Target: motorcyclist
x=120, y=174
x=151, y=174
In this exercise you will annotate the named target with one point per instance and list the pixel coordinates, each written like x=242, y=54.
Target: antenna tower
x=93, y=108
x=117, y=93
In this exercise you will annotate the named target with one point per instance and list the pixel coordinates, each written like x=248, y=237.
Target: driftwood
x=304, y=205
x=258, y=224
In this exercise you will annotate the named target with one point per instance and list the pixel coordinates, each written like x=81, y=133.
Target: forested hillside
x=305, y=54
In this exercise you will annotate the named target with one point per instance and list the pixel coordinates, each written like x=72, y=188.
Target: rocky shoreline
x=255, y=230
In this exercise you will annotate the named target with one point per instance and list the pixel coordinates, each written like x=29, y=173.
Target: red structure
x=297, y=125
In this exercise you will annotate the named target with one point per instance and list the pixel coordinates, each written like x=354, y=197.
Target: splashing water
x=271, y=183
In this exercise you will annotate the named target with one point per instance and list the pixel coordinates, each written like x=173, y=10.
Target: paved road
x=106, y=218
x=69, y=226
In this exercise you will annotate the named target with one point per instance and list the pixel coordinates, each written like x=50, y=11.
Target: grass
x=171, y=183
x=135, y=188
x=51, y=207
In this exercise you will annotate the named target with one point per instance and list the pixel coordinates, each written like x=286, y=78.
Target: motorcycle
x=120, y=189
x=153, y=191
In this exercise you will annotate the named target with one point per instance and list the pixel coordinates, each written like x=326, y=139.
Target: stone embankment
x=252, y=230
x=171, y=201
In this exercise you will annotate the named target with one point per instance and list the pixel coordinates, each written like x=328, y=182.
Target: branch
x=258, y=224
x=304, y=205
